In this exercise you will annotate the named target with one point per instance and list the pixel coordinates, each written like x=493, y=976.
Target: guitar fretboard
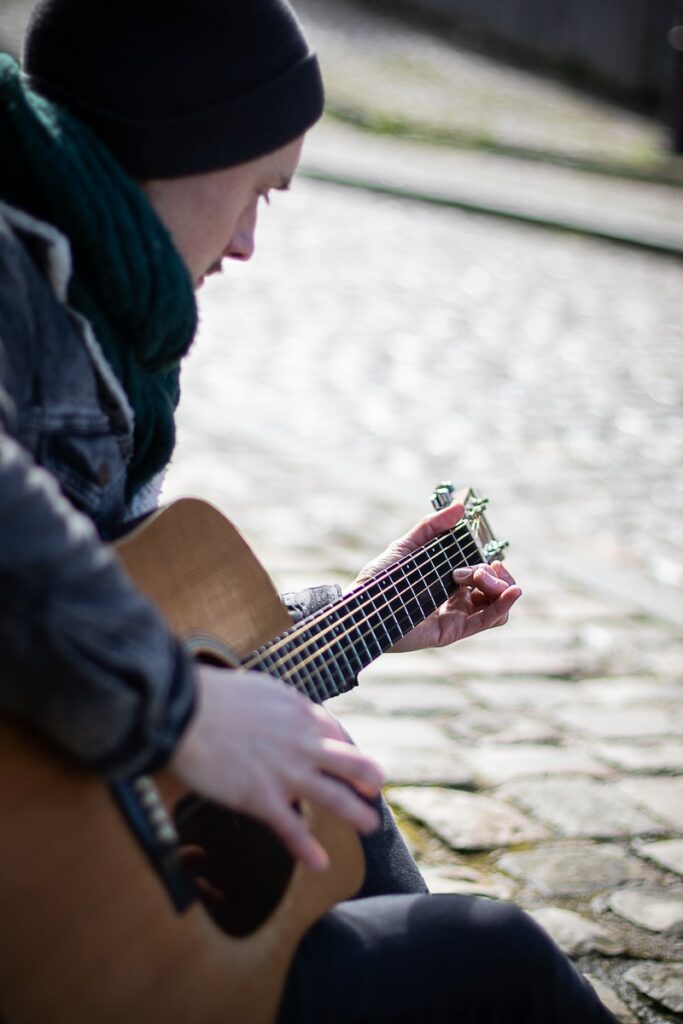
x=323, y=654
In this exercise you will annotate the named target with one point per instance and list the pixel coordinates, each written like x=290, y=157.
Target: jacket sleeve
x=302, y=603
x=86, y=659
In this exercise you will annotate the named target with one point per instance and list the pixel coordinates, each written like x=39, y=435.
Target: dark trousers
x=396, y=955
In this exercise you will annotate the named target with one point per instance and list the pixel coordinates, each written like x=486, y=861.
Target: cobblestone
x=621, y=722
x=416, y=699
x=536, y=694
x=575, y=934
x=410, y=750
x=652, y=757
x=662, y=982
x=667, y=852
x=664, y=797
x=578, y=807
x=496, y=764
x=467, y=821
x=612, y=1001
x=484, y=723
x=571, y=870
x=656, y=910
x=467, y=881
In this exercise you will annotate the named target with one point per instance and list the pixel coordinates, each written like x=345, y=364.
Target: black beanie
x=177, y=87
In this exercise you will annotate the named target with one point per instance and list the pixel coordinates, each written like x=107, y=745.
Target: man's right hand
x=257, y=746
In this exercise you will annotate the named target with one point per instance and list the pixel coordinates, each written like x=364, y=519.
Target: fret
x=438, y=589
x=317, y=666
x=363, y=634
x=379, y=606
x=267, y=663
x=325, y=653
x=399, y=611
x=393, y=627
x=289, y=667
x=415, y=616
x=343, y=650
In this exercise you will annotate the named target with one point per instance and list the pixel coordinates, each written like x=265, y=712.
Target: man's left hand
x=484, y=597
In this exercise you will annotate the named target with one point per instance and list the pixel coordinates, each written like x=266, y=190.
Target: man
x=135, y=150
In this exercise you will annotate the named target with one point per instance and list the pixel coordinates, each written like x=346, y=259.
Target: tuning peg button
x=442, y=495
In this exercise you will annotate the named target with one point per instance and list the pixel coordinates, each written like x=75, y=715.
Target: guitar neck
x=322, y=655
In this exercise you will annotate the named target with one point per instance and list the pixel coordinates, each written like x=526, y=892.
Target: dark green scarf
x=129, y=279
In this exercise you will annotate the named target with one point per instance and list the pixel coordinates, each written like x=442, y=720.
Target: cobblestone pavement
x=374, y=347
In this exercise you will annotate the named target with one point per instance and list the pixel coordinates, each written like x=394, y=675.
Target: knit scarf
x=128, y=280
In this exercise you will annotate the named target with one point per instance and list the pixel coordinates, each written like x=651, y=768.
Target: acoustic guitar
x=100, y=922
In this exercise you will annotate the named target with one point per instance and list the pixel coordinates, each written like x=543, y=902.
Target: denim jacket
x=86, y=659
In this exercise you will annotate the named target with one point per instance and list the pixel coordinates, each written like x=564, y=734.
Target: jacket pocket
x=86, y=460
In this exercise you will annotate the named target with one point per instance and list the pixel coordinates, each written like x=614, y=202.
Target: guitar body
x=88, y=933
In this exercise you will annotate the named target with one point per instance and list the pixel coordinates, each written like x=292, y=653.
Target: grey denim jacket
x=86, y=658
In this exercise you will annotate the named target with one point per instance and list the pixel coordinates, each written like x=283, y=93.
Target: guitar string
x=317, y=682
x=289, y=653
x=300, y=667
x=361, y=591
x=387, y=602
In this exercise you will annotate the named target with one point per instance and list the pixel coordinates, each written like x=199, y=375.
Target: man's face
x=213, y=216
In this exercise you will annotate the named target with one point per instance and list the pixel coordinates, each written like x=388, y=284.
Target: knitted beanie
x=176, y=87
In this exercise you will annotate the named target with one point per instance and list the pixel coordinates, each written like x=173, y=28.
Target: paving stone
x=576, y=934
x=504, y=727
x=661, y=796
x=666, y=852
x=612, y=1001
x=411, y=665
x=571, y=870
x=666, y=660
x=496, y=764
x=661, y=982
x=578, y=807
x=658, y=910
x=652, y=757
x=416, y=698
x=622, y=690
x=467, y=882
x=467, y=821
x=510, y=693
x=523, y=662
x=577, y=608
x=409, y=750
x=619, y=722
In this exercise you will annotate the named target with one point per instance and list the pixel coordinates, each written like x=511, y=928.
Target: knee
x=507, y=938
x=512, y=937
x=530, y=968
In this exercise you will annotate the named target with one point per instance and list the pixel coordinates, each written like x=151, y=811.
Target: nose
x=241, y=246
x=242, y=241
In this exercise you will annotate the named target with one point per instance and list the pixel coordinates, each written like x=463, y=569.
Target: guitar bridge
x=151, y=824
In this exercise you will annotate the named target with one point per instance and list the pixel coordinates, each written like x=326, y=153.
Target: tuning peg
x=442, y=495
x=495, y=549
x=475, y=509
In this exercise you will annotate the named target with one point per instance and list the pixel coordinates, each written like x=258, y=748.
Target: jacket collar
x=48, y=245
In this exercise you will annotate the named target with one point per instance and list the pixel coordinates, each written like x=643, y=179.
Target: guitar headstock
x=488, y=545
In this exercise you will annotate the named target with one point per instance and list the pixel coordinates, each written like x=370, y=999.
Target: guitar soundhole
x=240, y=868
